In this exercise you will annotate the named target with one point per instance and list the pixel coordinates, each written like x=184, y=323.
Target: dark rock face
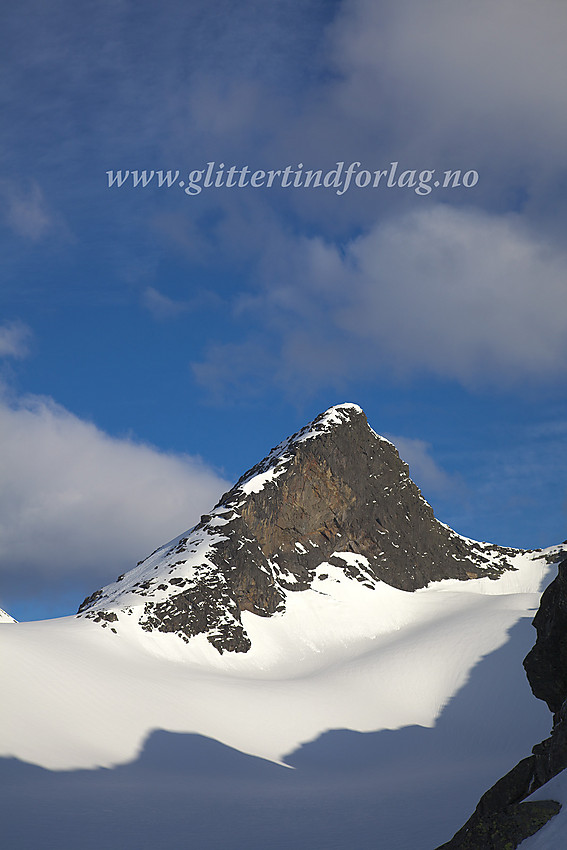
x=546, y=669
x=550, y=757
x=333, y=488
x=501, y=821
x=500, y=815
x=504, y=829
x=546, y=664
x=348, y=490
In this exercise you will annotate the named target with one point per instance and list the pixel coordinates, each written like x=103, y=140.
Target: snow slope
x=341, y=656
x=5, y=618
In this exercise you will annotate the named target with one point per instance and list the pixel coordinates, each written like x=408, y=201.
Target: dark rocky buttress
x=502, y=820
x=334, y=487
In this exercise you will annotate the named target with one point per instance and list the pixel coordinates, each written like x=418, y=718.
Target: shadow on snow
x=408, y=789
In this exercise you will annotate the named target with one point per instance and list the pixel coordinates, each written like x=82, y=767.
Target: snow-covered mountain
x=320, y=593
x=333, y=497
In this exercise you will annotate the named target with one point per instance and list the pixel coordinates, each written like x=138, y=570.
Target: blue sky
x=155, y=344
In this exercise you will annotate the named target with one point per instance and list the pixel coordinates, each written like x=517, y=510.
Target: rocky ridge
x=333, y=493
x=502, y=820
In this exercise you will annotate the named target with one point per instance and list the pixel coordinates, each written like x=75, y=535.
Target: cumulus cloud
x=459, y=293
x=454, y=76
x=424, y=469
x=27, y=213
x=14, y=340
x=356, y=80
x=160, y=305
x=79, y=506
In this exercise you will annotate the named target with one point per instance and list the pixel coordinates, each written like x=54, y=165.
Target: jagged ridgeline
x=334, y=493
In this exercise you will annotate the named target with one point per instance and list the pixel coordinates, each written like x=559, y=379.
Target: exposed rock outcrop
x=336, y=493
x=501, y=820
x=546, y=664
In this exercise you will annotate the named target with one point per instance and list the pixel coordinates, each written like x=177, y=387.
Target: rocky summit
x=335, y=493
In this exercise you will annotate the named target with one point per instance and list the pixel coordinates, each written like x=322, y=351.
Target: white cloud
x=14, y=340
x=463, y=294
x=26, y=211
x=160, y=305
x=77, y=505
x=458, y=293
x=461, y=75
x=424, y=470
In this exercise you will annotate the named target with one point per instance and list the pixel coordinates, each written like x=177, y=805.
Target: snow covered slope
x=321, y=593
x=5, y=618
x=342, y=655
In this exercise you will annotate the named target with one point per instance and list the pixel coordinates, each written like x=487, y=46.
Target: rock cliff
x=502, y=820
x=334, y=493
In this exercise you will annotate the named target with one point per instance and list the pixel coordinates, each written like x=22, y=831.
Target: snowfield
x=342, y=656
x=5, y=618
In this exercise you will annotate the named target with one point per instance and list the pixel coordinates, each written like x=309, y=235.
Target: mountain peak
x=333, y=496
x=274, y=463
